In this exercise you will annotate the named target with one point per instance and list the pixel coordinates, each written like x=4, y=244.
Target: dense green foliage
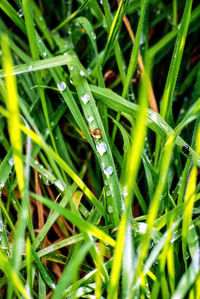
x=100, y=149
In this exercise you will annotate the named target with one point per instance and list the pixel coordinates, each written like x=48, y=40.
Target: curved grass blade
x=40, y=65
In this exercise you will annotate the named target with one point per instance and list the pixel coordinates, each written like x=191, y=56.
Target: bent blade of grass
x=154, y=121
x=77, y=220
x=166, y=104
x=39, y=65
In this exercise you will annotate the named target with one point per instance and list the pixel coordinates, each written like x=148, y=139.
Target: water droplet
x=53, y=285
x=101, y=148
x=108, y=171
x=52, y=123
x=30, y=67
x=47, y=131
x=90, y=119
x=36, y=162
x=0, y=52
x=125, y=192
x=11, y=161
x=61, y=86
x=101, y=2
x=66, y=54
x=108, y=193
x=69, y=32
x=41, y=18
x=59, y=185
x=110, y=209
x=1, y=226
x=45, y=53
x=1, y=185
x=40, y=176
x=71, y=68
x=85, y=98
x=41, y=166
x=93, y=35
x=20, y=13
x=82, y=73
x=39, y=41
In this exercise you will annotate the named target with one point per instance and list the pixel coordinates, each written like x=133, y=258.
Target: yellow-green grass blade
x=189, y=200
x=11, y=274
x=13, y=112
x=128, y=180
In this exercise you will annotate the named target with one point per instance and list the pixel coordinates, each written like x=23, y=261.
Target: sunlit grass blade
x=11, y=275
x=13, y=110
x=189, y=200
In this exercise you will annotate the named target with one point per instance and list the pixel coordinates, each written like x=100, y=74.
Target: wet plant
x=100, y=149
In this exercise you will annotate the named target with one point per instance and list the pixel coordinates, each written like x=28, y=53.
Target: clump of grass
x=99, y=192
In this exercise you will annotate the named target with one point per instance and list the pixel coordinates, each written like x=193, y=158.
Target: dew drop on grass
x=82, y=73
x=66, y=54
x=45, y=53
x=101, y=148
x=41, y=18
x=1, y=185
x=71, y=68
x=20, y=13
x=47, y=131
x=30, y=67
x=108, y=192
x=53, y=285
x=93, y=35
x=61, y=86
x=90, y=119
x=59, y=185
x=124, y=192
x=110, y=209
x=108, y=171
x=85, y=98
x=36, y=162
x=1, y=226
x=11, y=161
x=41, y=166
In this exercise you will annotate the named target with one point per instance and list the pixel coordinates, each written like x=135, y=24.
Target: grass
x=100, y=150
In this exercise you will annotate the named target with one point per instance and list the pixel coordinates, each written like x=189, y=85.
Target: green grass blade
x=166, y=103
